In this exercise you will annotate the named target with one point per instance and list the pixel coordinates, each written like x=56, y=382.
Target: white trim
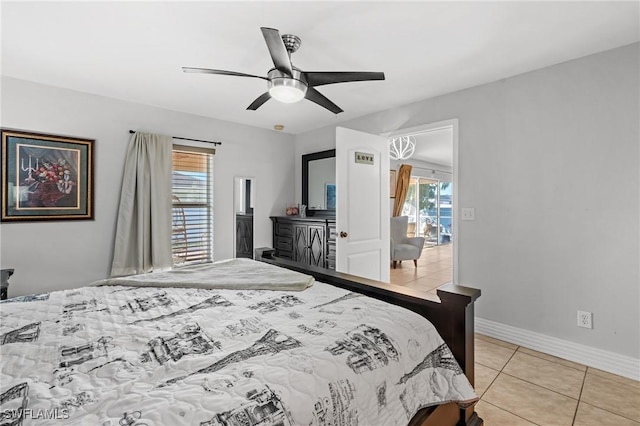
x=621, y=365
x=455, y=201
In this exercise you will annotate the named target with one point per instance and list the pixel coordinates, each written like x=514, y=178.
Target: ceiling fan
x=289, y=84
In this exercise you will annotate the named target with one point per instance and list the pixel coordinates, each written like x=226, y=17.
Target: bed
x=255, y=345
x=452, y=315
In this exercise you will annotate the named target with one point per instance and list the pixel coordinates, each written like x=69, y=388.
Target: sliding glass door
x=428, y=206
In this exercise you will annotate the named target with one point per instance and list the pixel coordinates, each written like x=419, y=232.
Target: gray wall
x=56, y=255
x=550, y=161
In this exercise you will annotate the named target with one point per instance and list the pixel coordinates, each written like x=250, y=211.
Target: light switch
x=468, y=213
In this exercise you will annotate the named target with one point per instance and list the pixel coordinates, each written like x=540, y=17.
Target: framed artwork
x=330, y=196
x=392, y=184
x=46, y=177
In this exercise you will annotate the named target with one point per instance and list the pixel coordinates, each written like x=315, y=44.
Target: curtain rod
x=187, y=139
x=433, y=170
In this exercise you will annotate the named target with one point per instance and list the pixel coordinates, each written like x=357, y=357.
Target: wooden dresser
x=4, y=282
x=307, y=240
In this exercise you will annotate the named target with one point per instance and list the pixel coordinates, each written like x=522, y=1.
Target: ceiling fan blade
x=259, y=101
x=221, y=72
x=318, y=78
x=277, y=50
x=314, y=96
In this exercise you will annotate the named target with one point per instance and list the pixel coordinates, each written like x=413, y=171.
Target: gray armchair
x=403, y=247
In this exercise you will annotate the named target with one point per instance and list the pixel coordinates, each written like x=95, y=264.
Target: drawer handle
x=343, y=234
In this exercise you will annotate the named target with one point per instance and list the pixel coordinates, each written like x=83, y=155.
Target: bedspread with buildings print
x=119, y=355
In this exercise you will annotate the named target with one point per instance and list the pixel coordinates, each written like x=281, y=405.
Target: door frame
x=423, y=128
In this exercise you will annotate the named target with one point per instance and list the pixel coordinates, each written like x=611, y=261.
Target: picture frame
x=392, y=184
x=330, y=196
x=46, y=177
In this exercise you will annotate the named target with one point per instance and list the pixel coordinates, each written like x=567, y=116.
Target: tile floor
x=519, y=386
x=434, y=269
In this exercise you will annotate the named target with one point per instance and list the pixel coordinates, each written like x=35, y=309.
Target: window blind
x=192, y=214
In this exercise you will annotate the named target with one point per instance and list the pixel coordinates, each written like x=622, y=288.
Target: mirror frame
x=235, y=224
x=305, y=180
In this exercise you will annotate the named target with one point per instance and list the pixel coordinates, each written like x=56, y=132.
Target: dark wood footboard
x=451, y=312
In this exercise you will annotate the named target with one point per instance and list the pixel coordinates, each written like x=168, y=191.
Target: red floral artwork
x=49, y=183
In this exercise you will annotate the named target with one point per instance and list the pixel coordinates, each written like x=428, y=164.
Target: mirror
x=243, y=202
x=319, y=182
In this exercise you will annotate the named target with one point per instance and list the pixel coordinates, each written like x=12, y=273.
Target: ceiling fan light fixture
x=287, y=90
x=402, y=147
x=287, y=83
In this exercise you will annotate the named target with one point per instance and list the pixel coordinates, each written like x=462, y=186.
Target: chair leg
x=415, y=262
x=394, y=264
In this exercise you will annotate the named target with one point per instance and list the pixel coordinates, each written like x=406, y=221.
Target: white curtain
x=143, y=233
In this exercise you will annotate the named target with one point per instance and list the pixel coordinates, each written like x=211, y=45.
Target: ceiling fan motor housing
x=291, y=42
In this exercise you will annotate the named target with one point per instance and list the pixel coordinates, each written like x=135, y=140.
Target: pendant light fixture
x=402, y=147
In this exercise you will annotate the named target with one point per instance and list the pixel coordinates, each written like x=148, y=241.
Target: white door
x=362, y=201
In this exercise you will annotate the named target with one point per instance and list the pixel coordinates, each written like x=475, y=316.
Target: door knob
x=343, y=234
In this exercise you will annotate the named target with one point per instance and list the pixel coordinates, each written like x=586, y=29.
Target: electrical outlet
x=585, y=319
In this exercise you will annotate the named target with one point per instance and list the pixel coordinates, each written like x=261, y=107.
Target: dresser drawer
x=331, y=250
x=285, y=255
x=284, y=229
x=332, y=234
x=285, y=244
x=331, y=255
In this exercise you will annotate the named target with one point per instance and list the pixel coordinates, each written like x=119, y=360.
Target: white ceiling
x=135, y=50
x=435, y=146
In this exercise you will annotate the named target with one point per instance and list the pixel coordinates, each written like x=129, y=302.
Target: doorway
x=430, y=203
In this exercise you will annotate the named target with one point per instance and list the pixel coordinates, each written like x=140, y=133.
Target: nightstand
x=4, y=282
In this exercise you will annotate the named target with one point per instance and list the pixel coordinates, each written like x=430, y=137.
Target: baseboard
x=611, y=362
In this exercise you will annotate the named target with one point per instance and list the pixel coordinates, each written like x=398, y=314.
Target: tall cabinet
x=244, y=235
x=308, y=240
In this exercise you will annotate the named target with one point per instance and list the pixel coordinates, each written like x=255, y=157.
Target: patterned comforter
x=134, y=356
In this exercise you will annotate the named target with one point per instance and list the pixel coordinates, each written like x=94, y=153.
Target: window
x=428, y=205
x=192, y=214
